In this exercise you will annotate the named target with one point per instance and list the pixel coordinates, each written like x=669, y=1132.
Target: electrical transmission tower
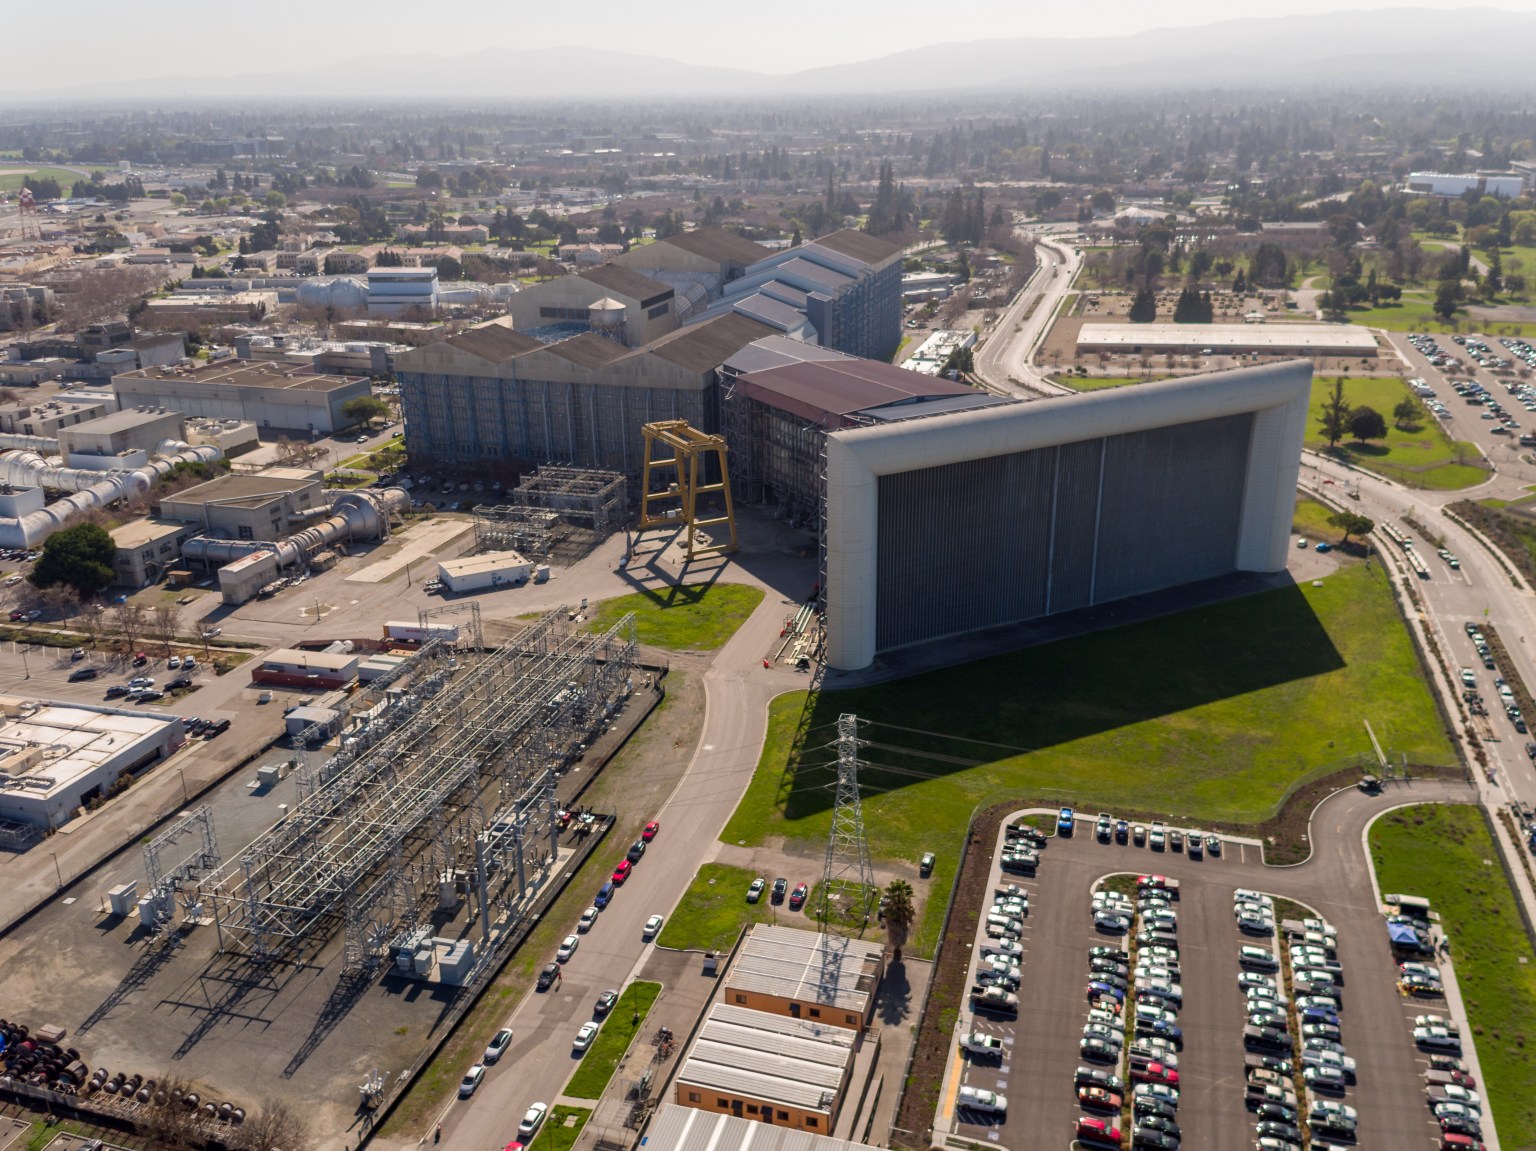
x=848, y=880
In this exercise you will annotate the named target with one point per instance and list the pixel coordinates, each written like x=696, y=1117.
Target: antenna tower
x=848, y=880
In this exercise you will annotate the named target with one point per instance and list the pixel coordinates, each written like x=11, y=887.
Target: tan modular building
x=488, y=570
x=263, y=506
x=785, y=971
x=271, y=396
x=30, y=373
x=289, y=667
x=1227, y=339
x=768, y=1067
x=688, y=1129
x=146, y=549
x=132, y=429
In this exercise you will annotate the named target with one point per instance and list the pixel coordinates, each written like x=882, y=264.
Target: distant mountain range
x=1476, y=48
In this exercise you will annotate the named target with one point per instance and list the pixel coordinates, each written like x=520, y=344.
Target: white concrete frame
x=1277, y=394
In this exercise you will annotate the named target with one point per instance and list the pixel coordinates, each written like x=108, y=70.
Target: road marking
x=947, y=1106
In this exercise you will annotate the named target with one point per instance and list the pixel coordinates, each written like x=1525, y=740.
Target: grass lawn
x=21, y=176
x=1213, y=714
x=1311, y=520
x=695, y=616
x=624, y=1021
x=1446, y=855
x=561, y=1129
x=712, y=913
x=1423, y=458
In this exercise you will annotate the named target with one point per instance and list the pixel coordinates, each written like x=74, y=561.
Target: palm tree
x=899, y=913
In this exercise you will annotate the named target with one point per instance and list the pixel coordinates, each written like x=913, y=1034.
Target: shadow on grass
x=957, y=718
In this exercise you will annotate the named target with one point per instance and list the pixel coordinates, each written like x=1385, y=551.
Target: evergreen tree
x=1240, y=283
x=1144, y=307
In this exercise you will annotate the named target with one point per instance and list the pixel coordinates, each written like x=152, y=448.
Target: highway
x=1005, y=361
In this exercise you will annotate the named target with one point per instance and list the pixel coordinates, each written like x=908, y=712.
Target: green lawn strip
x=1423, y=456
x=1446, y=855
x=624, y=1021
x=1094, y=383
x=1311, y=520
x=1212, y=714
x=694, y=616
x=558, y=1132
x=712, y=913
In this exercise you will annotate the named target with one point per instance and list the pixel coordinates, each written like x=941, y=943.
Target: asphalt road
x=1037, y=1075
x=1004, y=360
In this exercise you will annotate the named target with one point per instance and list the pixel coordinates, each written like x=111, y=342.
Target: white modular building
x=486, y=570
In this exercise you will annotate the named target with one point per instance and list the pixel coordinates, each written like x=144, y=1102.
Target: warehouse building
x=147, y=548
x=806, y=975
x=56, y=758
x=1508, y=185
x=971, y=520
x=263, y=506
x=287, y=667
x=1227, y=340
x=33, y=418
x=484, y=572
x=768, y=1068
x=688, y=1129
x=780, y=398
x=272, y=396
x=497, y=398
x=119, y=439
x=611, y=299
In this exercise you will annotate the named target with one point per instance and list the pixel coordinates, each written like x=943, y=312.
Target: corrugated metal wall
x=975, y=545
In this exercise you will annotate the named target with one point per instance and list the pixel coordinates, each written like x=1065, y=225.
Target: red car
x=797, y=897
x=1153, y=1072
x=140, y=659
x=1099, y=1132
x=621, y=872
x=1151, y=880
x=650, y=831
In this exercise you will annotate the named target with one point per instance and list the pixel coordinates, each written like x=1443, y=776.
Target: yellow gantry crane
x=689, y=448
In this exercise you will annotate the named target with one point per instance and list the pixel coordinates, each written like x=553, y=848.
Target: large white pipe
x=16, y=442
x=354, y=515
x=91, y=490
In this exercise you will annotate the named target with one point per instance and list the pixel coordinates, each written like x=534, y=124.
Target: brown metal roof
x=825, y=391
x=701, y=347
x=717, y=244
x=496, y=343
x=588, y=350
x=627, y=282
x=859, y=245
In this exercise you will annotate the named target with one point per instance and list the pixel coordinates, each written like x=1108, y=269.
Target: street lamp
x=57, y=870
x=24, y=648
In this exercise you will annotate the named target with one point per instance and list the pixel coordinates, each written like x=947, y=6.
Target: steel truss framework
x=501, y=527
x=165, y=879
x=591, y=496
x=377, y=829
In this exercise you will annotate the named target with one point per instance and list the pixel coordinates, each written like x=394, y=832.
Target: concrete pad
x=424, y=540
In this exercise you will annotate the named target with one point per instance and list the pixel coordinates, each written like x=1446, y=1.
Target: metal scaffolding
x=166, y=879
x=593, y=497
x=501, y=527
x=379, y=828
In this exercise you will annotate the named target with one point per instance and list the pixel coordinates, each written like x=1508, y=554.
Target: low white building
x=1506, y=185
x=486, y=570
x=56, y=758
x=934, y=352
x=402, y=291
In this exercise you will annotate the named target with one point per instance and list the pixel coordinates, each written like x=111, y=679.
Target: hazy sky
x=80, y=41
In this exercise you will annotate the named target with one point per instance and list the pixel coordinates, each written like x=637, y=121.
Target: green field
x=619, y=1030
x=14, y=179
x=1422, y=458
x=1311, y=520
x=561, y=1129
x=711, y=914
x=1094, y=383
x=1446, y=855
x=1214, y=714
x=699, y=617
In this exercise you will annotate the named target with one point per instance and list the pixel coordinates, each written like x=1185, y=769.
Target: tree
x=1352, y=523
x=1407, y=413
x=1144, y=307
x=899, y=913
x=61, y=601
x=1366, y=423
x=364, y=408
x=129, y=619
x=276, y=1127
x=1268, y=267
x=80, y=556
x=1336, y=412
x=1239, y=284
x=1447, y=297
x=163, y=623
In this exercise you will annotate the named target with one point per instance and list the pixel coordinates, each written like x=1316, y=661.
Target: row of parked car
x=1450, y=1088
x=1108, y=829
x=1133, y=1014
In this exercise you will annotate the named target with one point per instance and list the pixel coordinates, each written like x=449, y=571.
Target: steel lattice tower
x=848, y=880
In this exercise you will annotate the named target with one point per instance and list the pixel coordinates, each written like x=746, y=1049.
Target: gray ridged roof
x=807, y=966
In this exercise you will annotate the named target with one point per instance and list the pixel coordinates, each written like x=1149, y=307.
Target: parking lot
x=1039, y=1048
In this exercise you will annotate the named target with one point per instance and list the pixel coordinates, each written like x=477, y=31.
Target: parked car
x=754, y=891
x=471, y=1080
x=498, y=1045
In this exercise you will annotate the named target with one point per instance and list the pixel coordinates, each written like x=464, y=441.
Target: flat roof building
x=111, y=436
x=271, y=396
x=766, y=1067
x=806, y=975
x=58, y=757
x=689, y=1129
x=205, y=309
x=263, y=506
x=147, y=548
x=287, y=667
x=1227, y=339
x=46, y=417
